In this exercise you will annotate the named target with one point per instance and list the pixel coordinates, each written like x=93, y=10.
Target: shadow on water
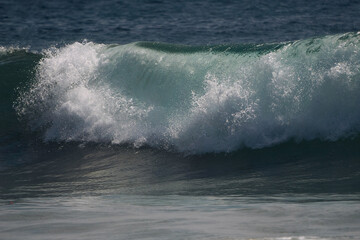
x=291, y=168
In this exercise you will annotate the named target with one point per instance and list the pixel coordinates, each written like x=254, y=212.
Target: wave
x=196, y=99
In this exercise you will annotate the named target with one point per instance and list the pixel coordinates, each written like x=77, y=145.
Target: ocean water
x=180, y=120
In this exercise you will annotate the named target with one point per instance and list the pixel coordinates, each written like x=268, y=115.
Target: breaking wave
x=196, y=99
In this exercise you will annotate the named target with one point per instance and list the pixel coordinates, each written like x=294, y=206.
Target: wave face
x=197, y=99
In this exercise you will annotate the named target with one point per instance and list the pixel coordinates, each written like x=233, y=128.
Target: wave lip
x=197, y=99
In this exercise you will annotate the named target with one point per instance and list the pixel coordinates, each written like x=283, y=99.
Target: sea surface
x=151, y=119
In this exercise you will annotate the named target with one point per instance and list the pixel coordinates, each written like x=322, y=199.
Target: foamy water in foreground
x=180, y=217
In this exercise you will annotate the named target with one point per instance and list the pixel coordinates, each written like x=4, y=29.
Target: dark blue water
x=41, y=24
x=179, y=120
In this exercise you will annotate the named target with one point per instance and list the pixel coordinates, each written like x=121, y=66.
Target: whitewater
x=195, y=99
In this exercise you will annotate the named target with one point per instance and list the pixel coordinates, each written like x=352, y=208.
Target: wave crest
x=198, y=99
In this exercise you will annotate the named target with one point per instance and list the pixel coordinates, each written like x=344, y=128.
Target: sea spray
x=197, y=99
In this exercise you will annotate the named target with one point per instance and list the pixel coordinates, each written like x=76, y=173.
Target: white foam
x=197, y=102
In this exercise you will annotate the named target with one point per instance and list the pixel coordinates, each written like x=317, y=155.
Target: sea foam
x=197, y=100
